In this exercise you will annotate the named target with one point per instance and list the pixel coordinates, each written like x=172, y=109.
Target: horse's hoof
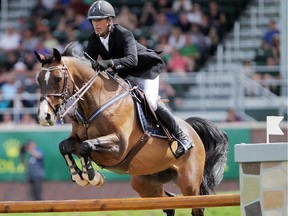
x=98, y=180
x=82, y=182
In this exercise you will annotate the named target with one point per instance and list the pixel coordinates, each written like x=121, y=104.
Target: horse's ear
x=39, y=57
x=57, y=54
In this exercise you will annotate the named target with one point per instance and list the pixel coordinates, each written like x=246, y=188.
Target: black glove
x=101, y=64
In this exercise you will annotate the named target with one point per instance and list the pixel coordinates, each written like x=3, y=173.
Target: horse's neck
x=102, y=90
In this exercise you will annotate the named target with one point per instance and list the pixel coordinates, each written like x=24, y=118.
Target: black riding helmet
x=100, y=9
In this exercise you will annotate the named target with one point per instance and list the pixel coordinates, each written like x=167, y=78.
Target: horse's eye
x=58, y=79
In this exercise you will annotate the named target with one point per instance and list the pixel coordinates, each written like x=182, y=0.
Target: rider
x=121, y=52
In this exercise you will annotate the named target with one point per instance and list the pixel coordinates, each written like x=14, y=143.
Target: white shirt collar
x=105, y=41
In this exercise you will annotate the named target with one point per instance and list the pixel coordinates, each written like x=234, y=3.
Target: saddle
x=147, y=117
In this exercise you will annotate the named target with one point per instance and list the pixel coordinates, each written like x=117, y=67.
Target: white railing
x=208, y=92
x=13, y=9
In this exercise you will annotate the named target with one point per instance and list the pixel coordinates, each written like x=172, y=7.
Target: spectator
x=195, y=16
x=164, y=47
x=41, y=27
x=146, y=42
x=191, y=51
x=33, y=158
x=249, y=71
x=178, y=63
x=161, y=27
x=205, y=25
x=184, y=23
x=50, y=41
x=67, y=20
x=70, y=35
x=10, y=39
x=8, y=90
x=276, y=48
x=29, y=88
x=213, y=12
x=79, y=6
x=126, y=18
x=12, y=58
x=49, y=5
x=39, y=10
x=262, y=53
x=83, y=23
x=6, y=118
x=214, y=16
x=232, y=116
x=29, y=60
x=271, y=76
x=223, y=25
x=148, y=15
x=163, y=6
x=27, y=119
x=181, y=6
x=23, y=23
x=271, y=31
x=41, y=48
x=197, y=37
x=28, y=41
x=55, y=14
x=214, y=40
x=177, y=38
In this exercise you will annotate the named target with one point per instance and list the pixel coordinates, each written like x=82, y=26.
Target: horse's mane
x=74, y=49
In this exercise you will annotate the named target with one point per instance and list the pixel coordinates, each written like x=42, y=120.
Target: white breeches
x=150, y=88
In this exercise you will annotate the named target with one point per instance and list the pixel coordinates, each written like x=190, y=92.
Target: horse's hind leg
x=190, y=186
x=189, y=181
x=146, y=186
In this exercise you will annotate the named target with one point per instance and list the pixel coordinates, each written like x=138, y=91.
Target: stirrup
x=178, y=148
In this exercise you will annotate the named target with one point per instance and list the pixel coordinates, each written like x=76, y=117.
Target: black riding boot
x=184, y=143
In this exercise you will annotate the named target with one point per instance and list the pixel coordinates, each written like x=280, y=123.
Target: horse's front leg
x=66, y=148
x=101, y=144
x=89, y=174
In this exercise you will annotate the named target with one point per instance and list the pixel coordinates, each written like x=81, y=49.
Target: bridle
x=65, y=88
x=68, y=104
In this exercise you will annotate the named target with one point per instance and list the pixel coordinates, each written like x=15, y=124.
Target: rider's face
x=100, y=25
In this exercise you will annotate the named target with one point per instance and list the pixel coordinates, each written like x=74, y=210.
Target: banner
x=235, y=136
x=11, y=168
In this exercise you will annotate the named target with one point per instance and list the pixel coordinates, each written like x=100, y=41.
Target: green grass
x=219, y=211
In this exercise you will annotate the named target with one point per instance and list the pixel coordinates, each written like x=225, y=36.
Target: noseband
x=64, y=92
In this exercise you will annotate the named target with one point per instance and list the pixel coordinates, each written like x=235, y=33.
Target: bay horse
x=106, y=130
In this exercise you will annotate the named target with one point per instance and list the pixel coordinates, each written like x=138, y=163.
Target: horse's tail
x=215, y=142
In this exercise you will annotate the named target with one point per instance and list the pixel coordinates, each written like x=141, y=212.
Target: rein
x=72, y=101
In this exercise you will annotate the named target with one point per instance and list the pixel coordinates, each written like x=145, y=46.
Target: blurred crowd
x=267, y=59
x=185, y=32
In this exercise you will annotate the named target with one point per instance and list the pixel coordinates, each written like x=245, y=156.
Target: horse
x=106, y=130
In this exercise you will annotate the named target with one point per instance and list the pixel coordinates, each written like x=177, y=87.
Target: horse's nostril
x=48, y=117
